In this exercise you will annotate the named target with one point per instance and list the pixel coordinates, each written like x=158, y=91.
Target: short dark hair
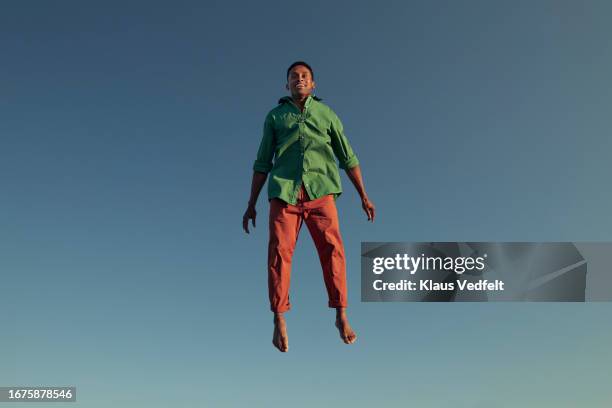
x=296, y=63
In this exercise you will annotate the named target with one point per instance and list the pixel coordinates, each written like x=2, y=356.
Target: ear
x=314, y=84
x=287, y=86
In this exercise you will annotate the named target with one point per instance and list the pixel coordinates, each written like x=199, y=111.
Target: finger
x=373, y=214
x=254, y=221
x=245, y=225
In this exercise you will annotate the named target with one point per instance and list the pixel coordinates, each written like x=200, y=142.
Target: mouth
x=299, y=86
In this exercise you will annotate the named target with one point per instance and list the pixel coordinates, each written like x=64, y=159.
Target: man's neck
x=300, y=101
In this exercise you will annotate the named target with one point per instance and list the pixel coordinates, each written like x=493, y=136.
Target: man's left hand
x=368, y=207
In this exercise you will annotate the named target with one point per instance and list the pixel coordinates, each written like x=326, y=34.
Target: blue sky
x=128, y=134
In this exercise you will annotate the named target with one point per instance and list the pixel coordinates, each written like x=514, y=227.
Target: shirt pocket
x=318, y=127
x=285, y=122
x=286, y=128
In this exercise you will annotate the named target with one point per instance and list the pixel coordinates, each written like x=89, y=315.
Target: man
x=304, y=136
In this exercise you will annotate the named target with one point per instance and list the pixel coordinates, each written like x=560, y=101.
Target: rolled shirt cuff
x=349, y=164
x=262, y=167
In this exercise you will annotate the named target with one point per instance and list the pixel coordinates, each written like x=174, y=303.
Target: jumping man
x=304, y=137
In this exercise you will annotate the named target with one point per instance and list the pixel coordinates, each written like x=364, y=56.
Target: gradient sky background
x=128, y=134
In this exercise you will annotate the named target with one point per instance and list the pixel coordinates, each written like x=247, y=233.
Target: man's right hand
x=250, y=213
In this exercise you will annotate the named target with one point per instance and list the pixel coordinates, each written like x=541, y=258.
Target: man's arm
x=259, y=179
x=354, y=173
x=261, y=168
x=341, y=146
x=348, y=161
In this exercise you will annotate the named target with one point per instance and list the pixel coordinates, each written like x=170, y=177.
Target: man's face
x=300, y=82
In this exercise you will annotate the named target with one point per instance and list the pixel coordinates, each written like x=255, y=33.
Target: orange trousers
x=321, y=218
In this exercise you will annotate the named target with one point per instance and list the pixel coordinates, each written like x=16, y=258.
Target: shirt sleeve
x=340, y=144
x=263, y=162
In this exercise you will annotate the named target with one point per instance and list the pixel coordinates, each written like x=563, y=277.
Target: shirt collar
x=287, y=99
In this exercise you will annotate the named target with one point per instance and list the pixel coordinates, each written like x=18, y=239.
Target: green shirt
x=304, y=146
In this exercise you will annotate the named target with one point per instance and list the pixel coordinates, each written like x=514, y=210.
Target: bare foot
x=346, y=332
x=279, y=338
